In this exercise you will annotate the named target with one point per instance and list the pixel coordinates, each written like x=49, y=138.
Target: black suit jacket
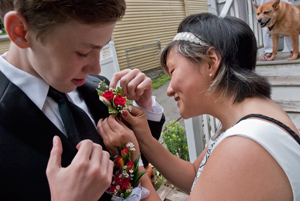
x=26, y=140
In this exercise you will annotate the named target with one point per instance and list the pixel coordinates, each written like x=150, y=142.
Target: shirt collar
x=35, y=88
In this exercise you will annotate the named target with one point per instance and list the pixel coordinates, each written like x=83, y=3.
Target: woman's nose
x=170, y=91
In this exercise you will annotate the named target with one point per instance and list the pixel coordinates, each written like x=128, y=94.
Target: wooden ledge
x=281, y=58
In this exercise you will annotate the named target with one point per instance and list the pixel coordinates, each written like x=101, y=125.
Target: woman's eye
x=82, y=55
x=171, y=72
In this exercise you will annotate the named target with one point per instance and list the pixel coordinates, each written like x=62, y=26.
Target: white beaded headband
x=187, y=36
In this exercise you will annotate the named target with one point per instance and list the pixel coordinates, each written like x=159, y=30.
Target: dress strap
x=285, y=127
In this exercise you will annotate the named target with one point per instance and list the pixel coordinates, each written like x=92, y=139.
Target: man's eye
x=81, y=54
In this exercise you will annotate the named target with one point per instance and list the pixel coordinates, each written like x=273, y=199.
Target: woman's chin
x=184, y=115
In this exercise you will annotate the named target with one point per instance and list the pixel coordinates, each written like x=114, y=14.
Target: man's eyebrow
x=92, y=46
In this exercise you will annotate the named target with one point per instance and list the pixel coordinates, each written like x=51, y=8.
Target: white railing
x=244, y=10
x=108, y=60
x=200, y=129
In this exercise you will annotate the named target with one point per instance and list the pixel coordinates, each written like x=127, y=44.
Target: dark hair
x=43, y=15
x=234, y=40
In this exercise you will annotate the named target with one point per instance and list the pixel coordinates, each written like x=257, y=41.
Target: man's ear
x=16, y=27
x=214, y=61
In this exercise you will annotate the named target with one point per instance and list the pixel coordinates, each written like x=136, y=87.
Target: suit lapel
x=89, y=94
x=18, y=115
x=97, y=109
x=22, y=118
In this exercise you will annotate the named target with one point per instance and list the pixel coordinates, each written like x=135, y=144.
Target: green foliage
x=2, y=30
x=175, y=140
x=161, y=80
x=158, y=179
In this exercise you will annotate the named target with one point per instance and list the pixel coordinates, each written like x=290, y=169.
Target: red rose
x=109, y=95
x=117, y=179
x=129, y=165
x=112, y=189
x=124, y=151
x=119, y=162
x=119, y=100
x=125, y=183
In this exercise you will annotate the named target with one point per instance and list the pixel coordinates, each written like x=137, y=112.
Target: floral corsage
x=113, y=99
x=125, y=178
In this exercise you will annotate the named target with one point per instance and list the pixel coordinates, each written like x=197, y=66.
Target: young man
x=55, y=46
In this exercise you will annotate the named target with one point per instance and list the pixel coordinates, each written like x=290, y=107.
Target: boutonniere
x=113, y=99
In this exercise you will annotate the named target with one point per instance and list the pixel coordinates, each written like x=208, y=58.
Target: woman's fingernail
x=125, y=113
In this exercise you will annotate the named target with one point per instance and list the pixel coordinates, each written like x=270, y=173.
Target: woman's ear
x=214, y=60
x=16, y=27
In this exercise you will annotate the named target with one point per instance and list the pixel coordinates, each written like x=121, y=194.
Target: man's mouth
x=264, y=24
x=78, y=82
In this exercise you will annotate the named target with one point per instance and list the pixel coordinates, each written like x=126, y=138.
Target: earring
x=210, y=74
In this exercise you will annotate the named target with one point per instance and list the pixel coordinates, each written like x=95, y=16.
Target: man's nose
x=95, y=67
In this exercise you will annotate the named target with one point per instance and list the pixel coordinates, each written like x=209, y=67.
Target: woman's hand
x=135, y=85
x=115, y=133
x=137, y=122
x=86, y=178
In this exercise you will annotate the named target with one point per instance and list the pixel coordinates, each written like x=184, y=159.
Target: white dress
x=284, y=149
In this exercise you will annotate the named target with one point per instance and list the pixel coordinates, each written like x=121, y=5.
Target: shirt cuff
x=157, y=112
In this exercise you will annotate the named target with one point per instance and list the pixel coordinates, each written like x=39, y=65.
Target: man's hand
x=115, y=134
x=86, y=178
x=135, y=85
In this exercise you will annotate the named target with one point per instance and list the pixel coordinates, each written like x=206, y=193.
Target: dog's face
x=267, y=13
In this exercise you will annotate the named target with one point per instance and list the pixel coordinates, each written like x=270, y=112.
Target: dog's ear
x=276, y=4
x=256, y=6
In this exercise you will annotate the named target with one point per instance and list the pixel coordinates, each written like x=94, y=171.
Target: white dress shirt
x=37, y=89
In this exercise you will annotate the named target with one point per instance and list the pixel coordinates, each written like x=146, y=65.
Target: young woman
x=256, y=153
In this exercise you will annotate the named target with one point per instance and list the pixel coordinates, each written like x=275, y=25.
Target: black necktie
x=77, y=123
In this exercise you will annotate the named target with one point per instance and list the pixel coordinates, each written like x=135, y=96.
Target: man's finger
x=84, y=148
x=55, y=154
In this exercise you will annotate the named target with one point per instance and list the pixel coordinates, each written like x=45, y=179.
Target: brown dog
x=281, y=19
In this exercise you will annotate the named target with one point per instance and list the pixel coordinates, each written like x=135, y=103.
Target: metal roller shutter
x=145, y=23
x=197, y=6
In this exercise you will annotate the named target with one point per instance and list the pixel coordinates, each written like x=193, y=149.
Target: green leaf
x=129, y=102
x=137, y=177
x=112, y=110
x=126, y=194
x=136, y=161
x=119, y=90
x=100, y=93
